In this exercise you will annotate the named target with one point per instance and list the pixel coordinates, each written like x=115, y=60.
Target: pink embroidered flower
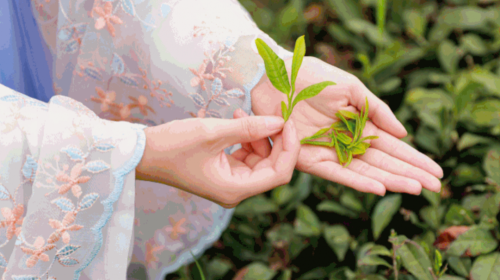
x=63, y=227
x=106, y=18
x=175, y=228
x=72, y=181
x=38, y=253
x=142, y=103
x=125, y=112
x=201, y=76
x=12, y=218
x=106, y=99
x=151, y=253
x=185, y=195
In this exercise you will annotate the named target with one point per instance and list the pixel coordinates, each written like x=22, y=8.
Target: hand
x=189, y=154
x=389, y=163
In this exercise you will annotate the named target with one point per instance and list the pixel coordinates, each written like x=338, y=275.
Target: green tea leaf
x=359, y=148
x=275, y=67
x=383, y=212
x=318, y=143
x=461, y=266
x=415, y=260
x=347, y=124
x=307, y=223
x=339, y=126
x=337, y=237
x=349, y=158
x=348, y=114
x=381, y=9
x=491, y=165
x=256, y=270
x=438, y=261
x=335, y=207
x=379, y=250
x=373, y=260
x=311, y=91
x=298, y=56
x=486, y=267
x=344, y=139
x=368, y=138
x=477, y=240
x=284, y=110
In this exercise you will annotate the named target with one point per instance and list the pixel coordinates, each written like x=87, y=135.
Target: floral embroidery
x=175, y=229
x=151, y=253
x=106, y=18
x=72, y=181
x=216, y=93
x=62, y=228
x=38, y=253
x=141, y=102
x=185, y=195
x=106, y=98
x=13, y=217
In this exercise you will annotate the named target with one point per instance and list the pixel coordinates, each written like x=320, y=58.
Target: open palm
x=389, y=163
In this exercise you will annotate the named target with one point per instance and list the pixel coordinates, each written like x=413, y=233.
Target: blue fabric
x=25, y=61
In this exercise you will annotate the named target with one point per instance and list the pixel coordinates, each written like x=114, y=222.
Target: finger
x=400, y=150
x=393, y=183
x=261, y=147
x=332, y=171
x=379, y=112
x=278, y=168
x=223, y=133
x=393, y=165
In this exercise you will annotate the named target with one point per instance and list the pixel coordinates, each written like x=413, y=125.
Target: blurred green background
x=436, y=63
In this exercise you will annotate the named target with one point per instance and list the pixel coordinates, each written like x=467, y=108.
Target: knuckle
x=249, y=128
x=363, y=168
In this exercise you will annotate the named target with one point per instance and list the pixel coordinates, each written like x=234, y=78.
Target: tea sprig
x=277, y=74
x=345, y=146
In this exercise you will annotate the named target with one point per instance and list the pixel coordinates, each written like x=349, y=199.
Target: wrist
x=144, y=170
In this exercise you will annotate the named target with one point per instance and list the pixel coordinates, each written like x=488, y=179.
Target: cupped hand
x=189, y=154
x=389, y=163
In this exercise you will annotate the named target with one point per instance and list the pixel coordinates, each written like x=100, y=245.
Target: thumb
x=248, y=129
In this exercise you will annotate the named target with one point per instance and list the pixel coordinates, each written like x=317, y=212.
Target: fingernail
x=240, y=112
x=273, y=123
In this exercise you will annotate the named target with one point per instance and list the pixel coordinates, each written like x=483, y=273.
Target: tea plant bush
x=436, y=63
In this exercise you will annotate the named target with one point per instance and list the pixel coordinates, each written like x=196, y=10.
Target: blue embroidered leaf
x=216, y=86
x=68, y=261
x=213, y=114
x=128, y=7
x=74, y=153
x=25, y=277
x=96, y=166
x=93, y=73
x=71, y=46
x=221, y=101
x=36, y=103
x=10, y=98
x=3, y=262
x=64, y=204
x=149, y=22
x=104, y=147
x=81, y=27
x=67, y=250
x=88, y=200
x=4, y=195
x=197, y=99
x=29, y=168
x=65, y=33
x=234, y=93
x=117, y=64
x=130, y=81
x=165, y=10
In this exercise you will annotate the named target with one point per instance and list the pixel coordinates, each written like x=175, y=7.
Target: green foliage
x=275, y=67
x=436, y=63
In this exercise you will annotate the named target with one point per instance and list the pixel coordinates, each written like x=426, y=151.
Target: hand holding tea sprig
x=388, y=163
